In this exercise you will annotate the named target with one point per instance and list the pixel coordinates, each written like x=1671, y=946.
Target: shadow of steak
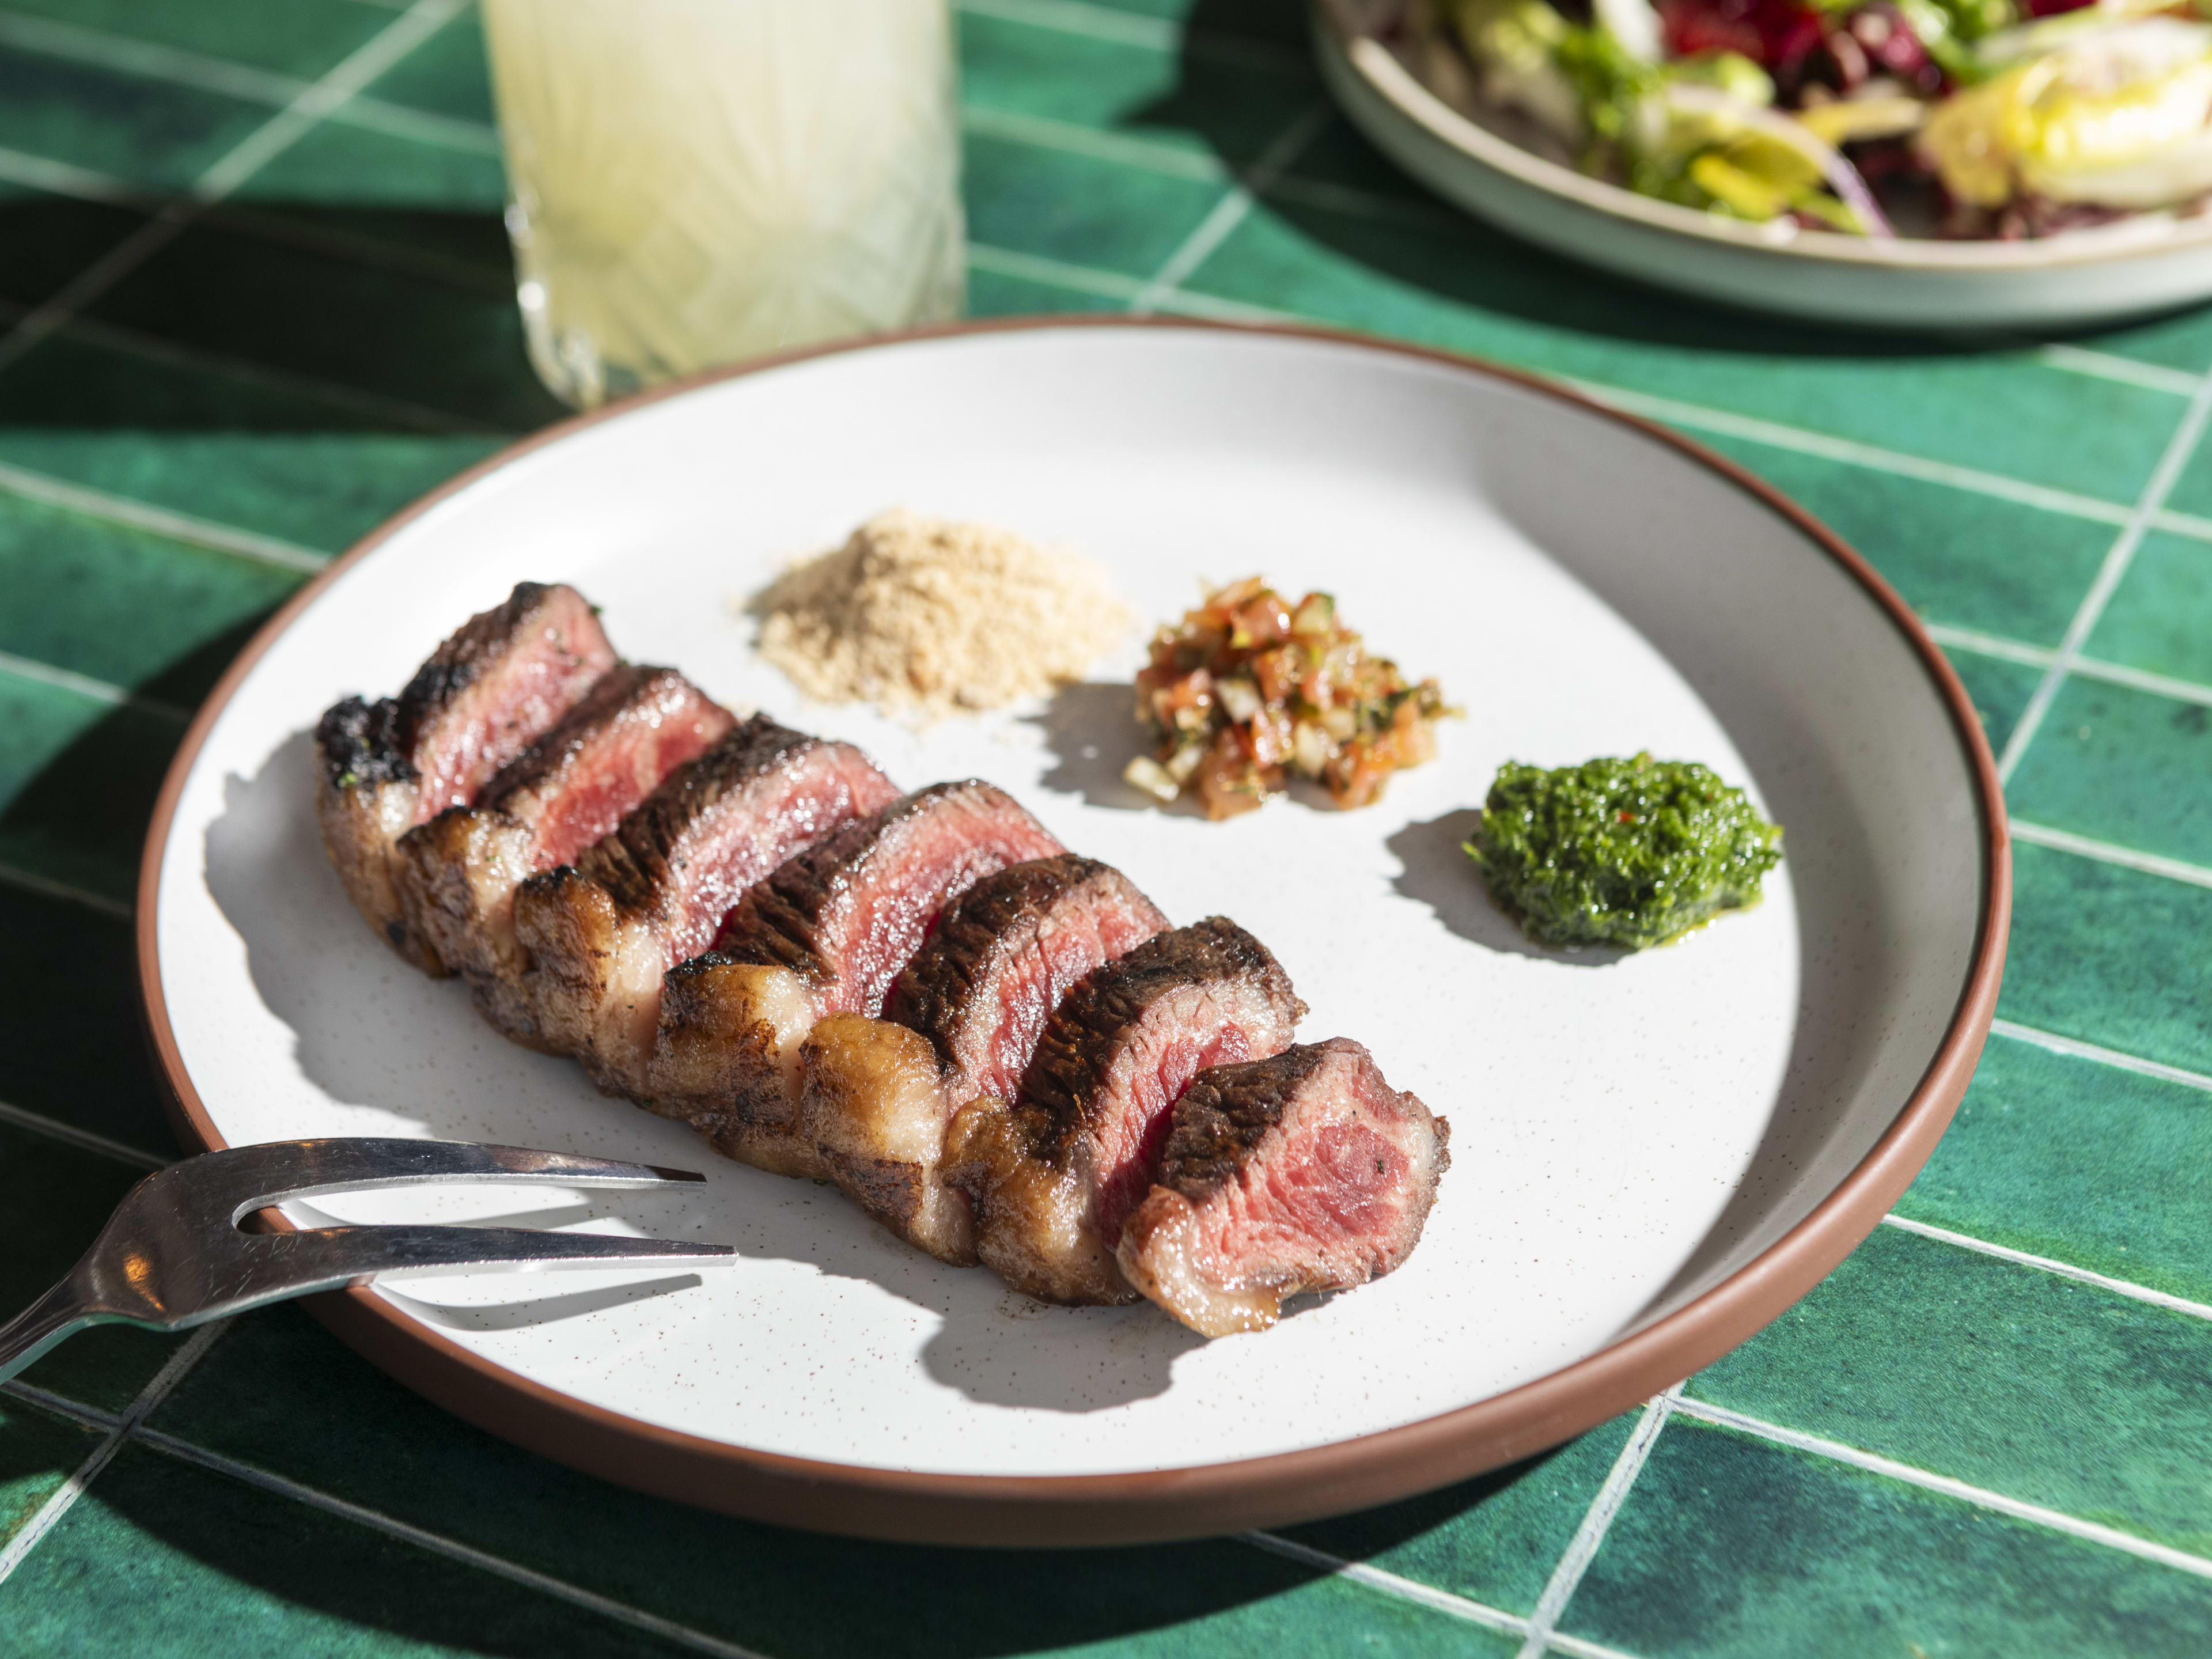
x=961, y=1021
x=1305, y=1172
x=575, y=785
x=481, y=699
x=1051, y=1174
x=825, y=934
x=600, y=933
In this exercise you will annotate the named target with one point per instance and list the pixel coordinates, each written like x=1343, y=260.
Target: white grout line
x=2087, y=668
x=1159, y=35
x=1778, y=436
x=437, y=1544
x=46, y=887
x=1150, y=155
x=1583, y=1648
x=65, y=1498
x=1230, y=210
x=2179, y=449
x=2107, y=365
x=90, y=1417
x=1582, y=1548
x=375, y=404
x=2074, y=1048
x=227, y=172
x=1390, y=1584
x=151, y=61
x=84, y=685
x=1980, y=1496
x=177, y=527
x=85, y=1140
x=2057, y=1269
x=1034, y=267
x=2105, y=852
x=2194, y=525
x=62, y=178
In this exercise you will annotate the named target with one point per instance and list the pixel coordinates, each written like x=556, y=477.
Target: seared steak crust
x=358, y=742
x=1226, y=1113
x=458, y=872
x=601, y=935
x=1051, y=1174
x=938, y=992
x=482, y=697
x=824, y=934
x=1306, y=1171
x=1063, y=1091
x=637, y=863
x=961, y=1021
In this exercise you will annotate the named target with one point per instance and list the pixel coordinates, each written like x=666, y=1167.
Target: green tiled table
x=257, y=297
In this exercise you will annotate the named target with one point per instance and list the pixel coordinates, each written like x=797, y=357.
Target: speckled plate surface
x=1651, y=1155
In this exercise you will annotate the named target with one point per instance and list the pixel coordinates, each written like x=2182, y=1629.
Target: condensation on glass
x=694, y=181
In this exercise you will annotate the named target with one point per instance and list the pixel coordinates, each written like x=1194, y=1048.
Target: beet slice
x=600, y=934
x=482, y=697
x=1306, y=1171
x=575, y=784
x=825, y=934
x=961, y=1021
x=1051, y=1174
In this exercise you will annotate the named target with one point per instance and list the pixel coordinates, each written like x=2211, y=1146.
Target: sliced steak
x=575, y=785
x=961, y=1021
x=1303, y=1172
x=482, y=697
x=825, y=934
x=1052, y=1174
x=600, y=934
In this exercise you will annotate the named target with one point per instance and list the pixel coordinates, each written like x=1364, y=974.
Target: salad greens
x=1972, y=117
x=1621, y=852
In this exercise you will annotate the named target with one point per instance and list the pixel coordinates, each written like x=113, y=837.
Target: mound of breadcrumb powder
x=927, y=617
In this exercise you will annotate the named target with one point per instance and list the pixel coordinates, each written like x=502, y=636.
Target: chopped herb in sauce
x=1250, y=689
x=1621, y=852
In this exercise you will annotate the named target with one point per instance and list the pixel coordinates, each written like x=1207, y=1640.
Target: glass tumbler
x=694, y=181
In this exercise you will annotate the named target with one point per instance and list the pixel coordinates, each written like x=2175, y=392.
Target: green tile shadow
x=2122, y=766
x=1730, y=1547
x=2081, y=1162
x=279, y=1393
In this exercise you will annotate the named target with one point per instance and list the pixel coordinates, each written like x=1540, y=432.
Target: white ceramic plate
x=1651, y=1155
x=2126, y=269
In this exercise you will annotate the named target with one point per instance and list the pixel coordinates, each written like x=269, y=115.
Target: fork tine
x=274, y=1265
x=244, y=1178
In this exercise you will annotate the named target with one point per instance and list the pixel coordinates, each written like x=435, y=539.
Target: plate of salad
x=1901, y=163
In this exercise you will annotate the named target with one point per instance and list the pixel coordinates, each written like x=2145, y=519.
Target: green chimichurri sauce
x=1621, y=852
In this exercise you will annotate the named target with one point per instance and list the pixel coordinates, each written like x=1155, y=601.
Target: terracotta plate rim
x=1052, y=1511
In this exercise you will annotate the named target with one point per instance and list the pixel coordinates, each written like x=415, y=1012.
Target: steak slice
x=825, y=934
x=961, y=1021
x=1305, y=1172
x=501, y=679
x=1051, y=1174
x=575, y=784
x=600, y=934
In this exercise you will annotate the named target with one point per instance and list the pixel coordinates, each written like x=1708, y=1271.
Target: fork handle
x=59, y=1313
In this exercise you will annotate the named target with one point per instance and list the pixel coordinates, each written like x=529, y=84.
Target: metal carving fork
x=173, y=1255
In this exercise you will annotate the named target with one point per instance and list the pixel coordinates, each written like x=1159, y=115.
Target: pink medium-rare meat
x=961, y=1021
x=825, y=934
x=481, y=698
x=600, y=934
x=1303, y=1172
x=574, y=785
x=1052, y=1174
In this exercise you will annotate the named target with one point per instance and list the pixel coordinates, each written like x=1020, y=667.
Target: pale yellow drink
x=694, y=181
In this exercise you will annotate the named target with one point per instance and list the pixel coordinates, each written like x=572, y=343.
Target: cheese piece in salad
x=1954, y=118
